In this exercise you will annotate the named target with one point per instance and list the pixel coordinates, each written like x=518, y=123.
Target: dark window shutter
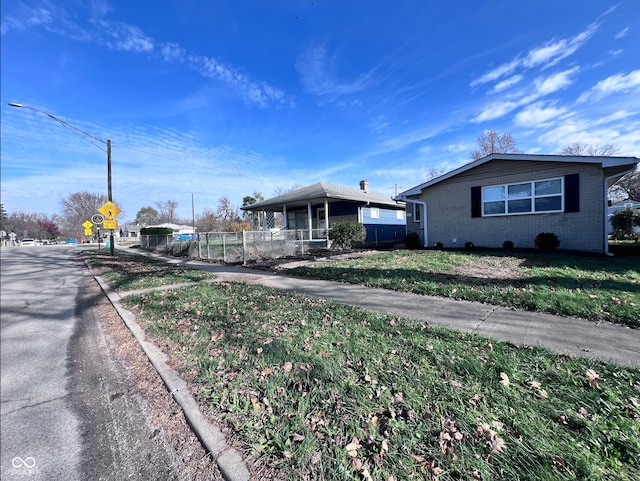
x=476, y=201
x=572, y=193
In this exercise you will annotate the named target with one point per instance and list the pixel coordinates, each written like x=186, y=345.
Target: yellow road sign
x=87, y=224
x=109, y=210
x=110, y=224
x=88, y=232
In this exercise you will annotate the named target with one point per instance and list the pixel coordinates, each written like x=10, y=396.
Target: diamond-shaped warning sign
x=109, y=210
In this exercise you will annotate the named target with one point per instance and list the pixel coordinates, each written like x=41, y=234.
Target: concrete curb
x=229, y=459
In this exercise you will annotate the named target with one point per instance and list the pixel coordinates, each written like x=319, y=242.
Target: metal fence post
x=244, y=248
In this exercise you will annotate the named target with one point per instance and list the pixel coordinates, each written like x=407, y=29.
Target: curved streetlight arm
x=62, y=122
x=87, y=134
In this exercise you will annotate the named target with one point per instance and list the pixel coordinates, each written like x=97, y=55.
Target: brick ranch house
x=516, y=196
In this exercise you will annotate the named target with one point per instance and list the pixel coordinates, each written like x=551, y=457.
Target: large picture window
x=534, y=197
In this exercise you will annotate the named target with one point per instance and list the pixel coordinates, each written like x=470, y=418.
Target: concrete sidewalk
x=575, y=337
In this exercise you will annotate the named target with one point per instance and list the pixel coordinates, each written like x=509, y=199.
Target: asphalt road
x=66, y=409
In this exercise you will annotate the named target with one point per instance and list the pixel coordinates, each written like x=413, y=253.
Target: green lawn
x=597, y=288
x=317, y=390
x=129, y=271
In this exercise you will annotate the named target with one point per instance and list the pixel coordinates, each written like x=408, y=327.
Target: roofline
x=376, y=198
x=578, y=159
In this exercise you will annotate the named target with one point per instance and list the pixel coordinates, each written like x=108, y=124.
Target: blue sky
x=224, y=98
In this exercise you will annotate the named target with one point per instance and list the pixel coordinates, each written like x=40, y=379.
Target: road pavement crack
x=28, y=406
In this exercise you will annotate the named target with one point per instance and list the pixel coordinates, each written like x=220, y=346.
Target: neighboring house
x=132, y=230
x=178, y=229
x=516, y=196
x=625, y=204
x=312, y=209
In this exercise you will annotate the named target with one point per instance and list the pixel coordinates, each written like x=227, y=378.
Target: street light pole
x=87, y=134
x=109, y=195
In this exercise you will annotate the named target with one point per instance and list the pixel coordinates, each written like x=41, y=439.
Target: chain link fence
x=239, y=247
x=256, y=246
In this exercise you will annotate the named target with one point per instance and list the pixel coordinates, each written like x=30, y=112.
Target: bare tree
x=491, y=142
x=167, y=211
x=606, y=150
x=227, y=213
x=26, y=224
x=207, y=221
x=78, y=208
x=282, y=190
x=432, y=173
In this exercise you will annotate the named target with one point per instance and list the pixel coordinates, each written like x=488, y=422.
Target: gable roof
x=323, y=190
x=624, y=163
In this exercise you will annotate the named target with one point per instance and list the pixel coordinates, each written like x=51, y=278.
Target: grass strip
x=127, y=271
x=320, y=390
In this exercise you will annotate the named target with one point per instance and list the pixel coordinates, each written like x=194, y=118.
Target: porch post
x=284, y=213
x=310, y=220
x=326, y=220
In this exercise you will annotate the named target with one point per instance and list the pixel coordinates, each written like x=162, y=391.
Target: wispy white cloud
x=541, y=86
x=538, y=115
x=554, y=51
x=258, y=93
x=624, y=134
x=496, y=110
x=129, y=38
x=27, y=18
x=460, y=147
x=498, y=72
x=318, y=75
x=622, y=33
x=619, y=83
x=124, y=37
x=614, y=117
x=507, y=83
x=406, y=139
x=172, y=52
x=378, y=124
x=545, y=56
x=555, y=82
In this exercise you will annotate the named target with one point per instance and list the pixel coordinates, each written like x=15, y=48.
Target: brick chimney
x=364, y=185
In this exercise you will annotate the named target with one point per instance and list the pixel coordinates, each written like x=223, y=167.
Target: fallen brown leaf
x=497, y=444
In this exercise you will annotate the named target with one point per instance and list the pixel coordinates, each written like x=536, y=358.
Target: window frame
x=417, y=213
x=532, y=197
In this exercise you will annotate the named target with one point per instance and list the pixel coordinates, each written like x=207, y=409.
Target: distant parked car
x=27, y=242
x=71, y=241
